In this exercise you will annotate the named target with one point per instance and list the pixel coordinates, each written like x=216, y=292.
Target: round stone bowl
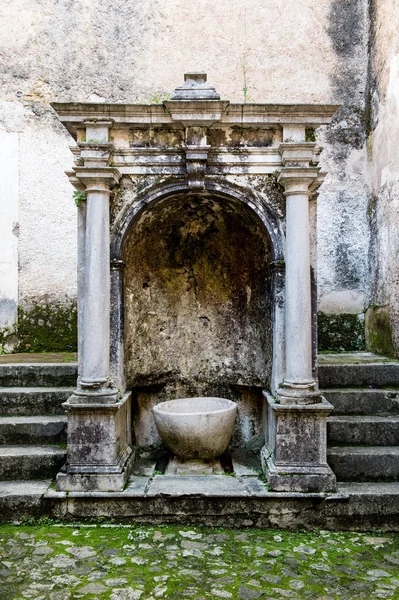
x=196, y=427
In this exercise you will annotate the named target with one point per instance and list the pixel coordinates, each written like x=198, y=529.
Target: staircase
x=32, y=420
x=363, y=430
x=363, y=451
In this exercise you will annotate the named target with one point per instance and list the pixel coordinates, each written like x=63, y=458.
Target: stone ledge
x=360, y=507
x=207, y=486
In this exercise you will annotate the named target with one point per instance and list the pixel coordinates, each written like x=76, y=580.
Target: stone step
x=365, y=430
x=33, y=430
x=364, y=463
x=340, y=375
x=363, y=401
x=30, y=462
x=32, y=401
x=356, y=506
x=22, y=499
x=38, y=374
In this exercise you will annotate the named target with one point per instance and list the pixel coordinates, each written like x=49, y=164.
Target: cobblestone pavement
x=118, y=562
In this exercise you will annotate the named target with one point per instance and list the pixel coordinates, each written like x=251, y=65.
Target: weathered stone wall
x=197, y=303
x=125, y=50
x=343, y=228
x=382, y=318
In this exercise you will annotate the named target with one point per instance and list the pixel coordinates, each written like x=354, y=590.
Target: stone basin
x=196, y=427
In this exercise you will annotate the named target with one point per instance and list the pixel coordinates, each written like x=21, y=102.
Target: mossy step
x=38, y=357
x=23, y=462
x=363, y=401
x=362, y=429
x=32, y=401
x=364, y=463
x=38, y=374
x=33, y=430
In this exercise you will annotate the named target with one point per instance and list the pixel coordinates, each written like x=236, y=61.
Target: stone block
x=33, y=400
x=365, y=463
x=294, y=457
x=99, y=446
x=200, y=485
x=38, y=374
x=30, y=462
x=366, y=401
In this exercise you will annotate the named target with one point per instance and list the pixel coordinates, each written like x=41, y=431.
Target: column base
x=294, y=458
x=297, y=479
x=99, y=452
x=96, y=392
x=297, y=393
x=98, y=479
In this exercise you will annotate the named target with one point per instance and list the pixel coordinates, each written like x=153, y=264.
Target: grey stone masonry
x=187, y=145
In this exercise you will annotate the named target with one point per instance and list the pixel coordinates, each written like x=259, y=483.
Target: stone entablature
x=240, y=139
x=202, y=146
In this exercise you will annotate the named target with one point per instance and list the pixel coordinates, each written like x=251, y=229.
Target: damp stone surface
x=125, y=562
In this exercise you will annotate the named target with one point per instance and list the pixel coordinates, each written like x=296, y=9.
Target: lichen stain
x=241, y=137
x=379, y=331
x=197, y=298
x=155, y=137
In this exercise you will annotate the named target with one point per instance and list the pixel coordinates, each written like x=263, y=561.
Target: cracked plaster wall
x=384, y=160
x=125, y=51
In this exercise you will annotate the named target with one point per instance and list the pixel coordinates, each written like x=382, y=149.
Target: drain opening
x=227, y=464
x=162, y=463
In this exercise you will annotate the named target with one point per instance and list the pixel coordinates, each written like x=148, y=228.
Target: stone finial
x=195, y=88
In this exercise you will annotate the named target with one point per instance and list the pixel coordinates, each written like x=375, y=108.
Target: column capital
x=97, y=178
x=298, y=180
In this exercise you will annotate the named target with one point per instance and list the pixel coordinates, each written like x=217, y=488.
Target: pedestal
x=99, y=455
x=294, y=456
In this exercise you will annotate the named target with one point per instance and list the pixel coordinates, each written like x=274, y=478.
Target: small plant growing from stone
x=79, y=197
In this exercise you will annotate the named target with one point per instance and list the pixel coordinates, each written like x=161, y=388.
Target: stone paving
x=123, y=562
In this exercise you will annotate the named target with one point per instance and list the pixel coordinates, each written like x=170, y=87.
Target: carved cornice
x=74, y=114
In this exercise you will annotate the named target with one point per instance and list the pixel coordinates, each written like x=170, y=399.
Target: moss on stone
x=379, y=331
x=186, y=560
x=45, y=327
x=340, y=333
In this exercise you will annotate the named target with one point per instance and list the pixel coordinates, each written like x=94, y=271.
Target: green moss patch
x=46, y=327
x=340, y=333
x=379, y=331
x=116, y=562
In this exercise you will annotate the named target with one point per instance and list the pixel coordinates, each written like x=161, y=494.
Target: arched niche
x=198, y=310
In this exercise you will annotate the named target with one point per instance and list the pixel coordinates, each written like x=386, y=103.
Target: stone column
x=99, y=453
x=278, y=287
x=95, y=381
x=117, y=366
x=299, y=384
x=294, y=457
x=81, y=249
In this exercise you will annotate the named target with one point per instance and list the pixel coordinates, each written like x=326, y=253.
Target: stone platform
x=214, y=500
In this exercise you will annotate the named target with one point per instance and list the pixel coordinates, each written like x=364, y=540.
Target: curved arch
x=272, y=226
x=221, y=189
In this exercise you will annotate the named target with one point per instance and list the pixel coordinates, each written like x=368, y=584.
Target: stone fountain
x=196, y=249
